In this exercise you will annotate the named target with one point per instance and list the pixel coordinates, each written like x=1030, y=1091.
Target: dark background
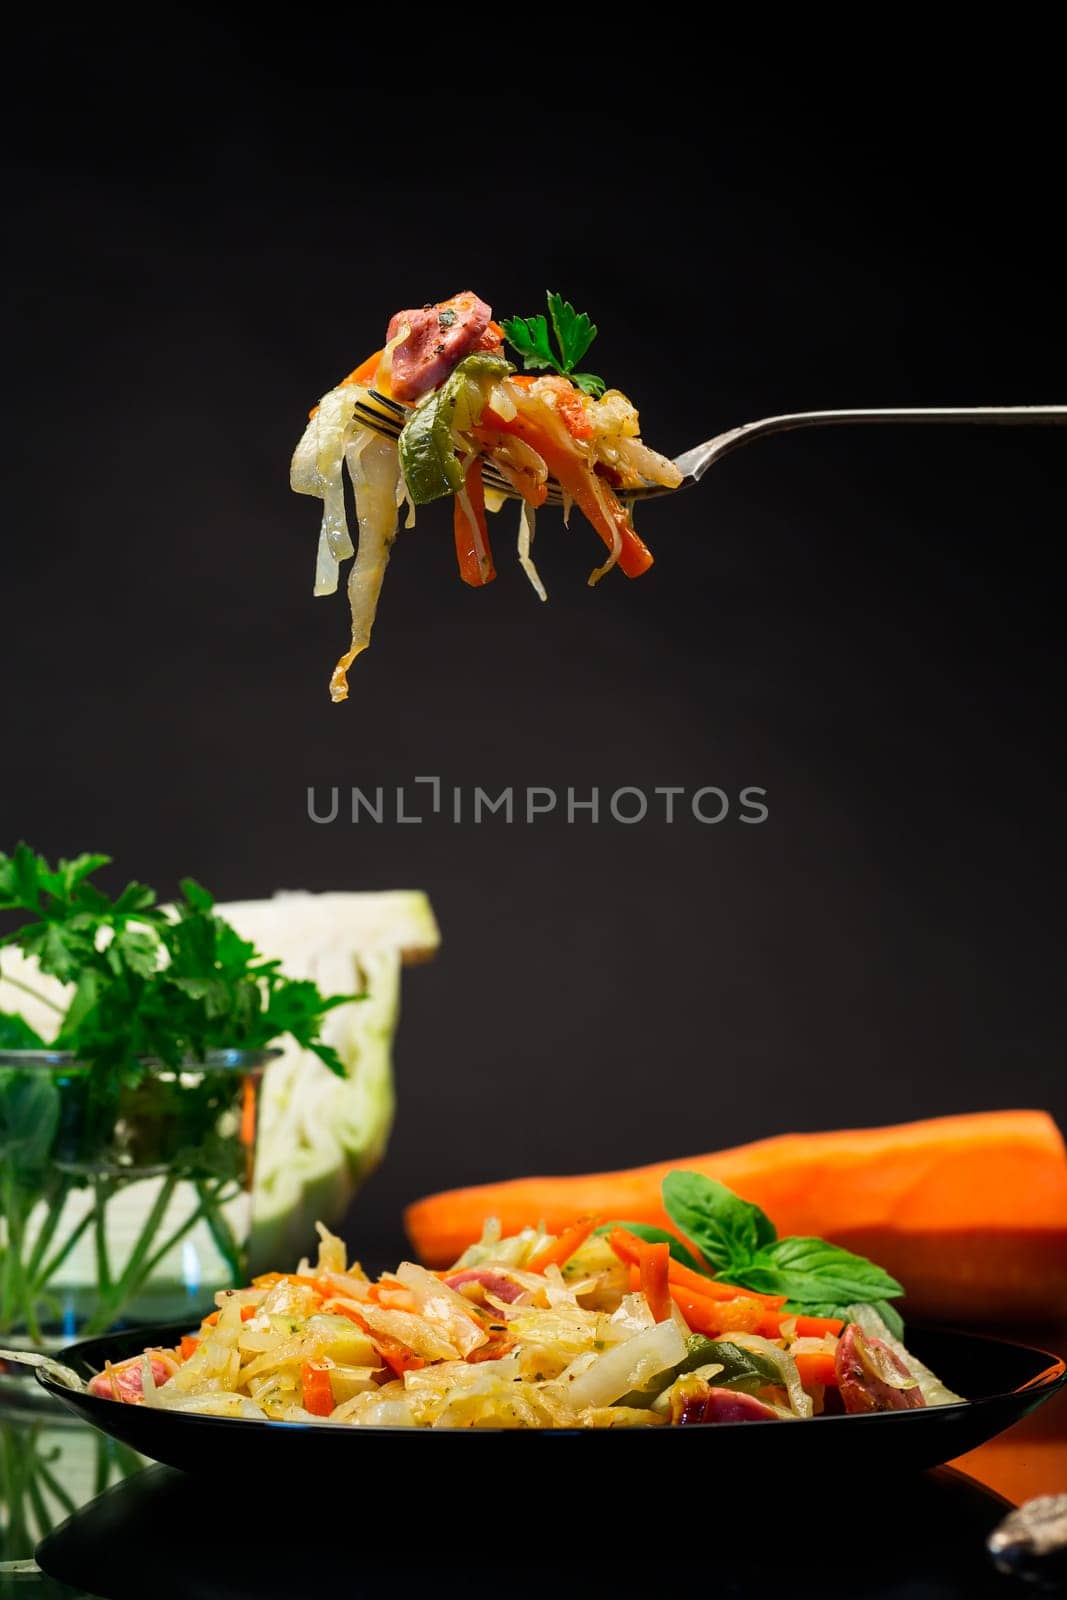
x=867, y=624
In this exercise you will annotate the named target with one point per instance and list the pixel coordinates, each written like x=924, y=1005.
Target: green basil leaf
x=812, y=1271
x=726, y=1230
x=888, y=1313
x=651, y=1235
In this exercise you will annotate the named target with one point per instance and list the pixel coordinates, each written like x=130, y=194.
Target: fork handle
x=695, y=462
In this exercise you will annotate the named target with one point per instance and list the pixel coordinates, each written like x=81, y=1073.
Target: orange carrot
x=350, y=1312
x=364, y=374
x=533, y=492
x=558, y=1251
x=397, y=1357
x=817, y=1326
x=654, y=1284
x=572, y=472
x=741, y=1314
x=969, y=1212
x=248, y=1113
x=247, y=1313
x=627, y=1247
x=189, y=1346
x=716, y=1317
x=816, y=1366
x=316, y=1389
x=472, y=537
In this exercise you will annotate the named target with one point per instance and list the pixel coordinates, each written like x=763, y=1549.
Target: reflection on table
x=50, y=1466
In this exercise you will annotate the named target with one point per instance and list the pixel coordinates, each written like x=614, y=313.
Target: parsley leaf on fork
x=574, y=333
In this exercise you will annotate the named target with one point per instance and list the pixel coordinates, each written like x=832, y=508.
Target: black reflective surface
x=170, y=1536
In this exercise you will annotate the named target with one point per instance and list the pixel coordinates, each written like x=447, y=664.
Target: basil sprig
x=736, y=1242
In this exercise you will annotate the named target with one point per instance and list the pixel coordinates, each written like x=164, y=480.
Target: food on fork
x=478, y=430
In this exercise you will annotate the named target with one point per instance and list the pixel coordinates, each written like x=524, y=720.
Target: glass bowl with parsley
x=128, y=1121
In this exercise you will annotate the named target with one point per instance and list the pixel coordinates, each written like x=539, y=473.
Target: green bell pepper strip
x=742, y=1369
x=428, y=457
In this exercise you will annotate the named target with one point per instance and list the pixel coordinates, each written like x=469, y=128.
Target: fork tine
x=387, y=417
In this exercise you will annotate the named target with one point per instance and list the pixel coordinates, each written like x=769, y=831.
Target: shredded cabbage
x=526, y=534
x=488, y=1343
x=374, y=470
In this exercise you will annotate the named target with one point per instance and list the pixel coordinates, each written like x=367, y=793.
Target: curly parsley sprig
x=574, y=333
x=168, y=983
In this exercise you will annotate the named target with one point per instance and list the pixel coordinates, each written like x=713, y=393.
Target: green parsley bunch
x=166, y=983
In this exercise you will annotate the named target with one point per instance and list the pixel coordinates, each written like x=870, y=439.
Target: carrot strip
x=816, y=1366
x=654, y=1284
x=316, y=1389
x=627, y=1246
x=558, y=1251
x=188, y=1347
x=572, y=473
x=397, y=1357
x=339, y=1310
x=364, y=373
x=247, y=1313
x=712, y=1289
x=716, y=1317
x=817, y=1326
x=535, y=494
x=472, y=539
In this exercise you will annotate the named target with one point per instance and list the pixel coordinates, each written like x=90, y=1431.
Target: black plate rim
x=1044, y=1384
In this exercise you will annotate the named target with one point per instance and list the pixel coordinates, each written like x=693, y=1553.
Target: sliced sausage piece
x=126, y=1382
x=871, y=1376
x=440, y=337
x=709, y=1404
x=492, y=1282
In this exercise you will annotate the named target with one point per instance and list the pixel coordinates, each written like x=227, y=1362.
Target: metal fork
x=387, y=417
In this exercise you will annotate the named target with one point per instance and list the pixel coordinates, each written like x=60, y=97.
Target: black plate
x=1004, y=1383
